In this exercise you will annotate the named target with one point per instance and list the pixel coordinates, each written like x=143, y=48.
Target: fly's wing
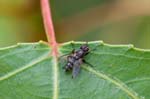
x=76, y=68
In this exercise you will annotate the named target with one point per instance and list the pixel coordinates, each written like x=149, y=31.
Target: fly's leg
x=63, y=59
x=93, y=48
x=87, y=53
x=67, y=55
x=73, y=51
x=85, y=62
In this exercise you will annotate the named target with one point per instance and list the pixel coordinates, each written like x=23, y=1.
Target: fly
x=75, y=59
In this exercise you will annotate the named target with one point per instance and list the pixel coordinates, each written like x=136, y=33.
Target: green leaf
x=29, y=71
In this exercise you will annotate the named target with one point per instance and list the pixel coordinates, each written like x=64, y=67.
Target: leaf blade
x=119, y=72
x=123, y=70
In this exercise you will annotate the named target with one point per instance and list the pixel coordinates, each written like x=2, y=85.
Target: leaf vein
x=25, y=67
x=116, y=82
x=55, y=78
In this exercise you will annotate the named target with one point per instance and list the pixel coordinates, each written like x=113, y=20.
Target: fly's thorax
x=71, y=59
x=79, y=54
x=78, y=62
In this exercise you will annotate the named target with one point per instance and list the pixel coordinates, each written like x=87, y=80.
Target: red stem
x=48, y=24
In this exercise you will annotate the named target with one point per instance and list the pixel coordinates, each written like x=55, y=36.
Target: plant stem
x=48, y=24
x=47, y=18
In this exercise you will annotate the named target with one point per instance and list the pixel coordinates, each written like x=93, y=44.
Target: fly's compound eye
x=84, y=47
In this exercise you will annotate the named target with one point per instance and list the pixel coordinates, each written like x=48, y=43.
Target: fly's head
x=85, y=48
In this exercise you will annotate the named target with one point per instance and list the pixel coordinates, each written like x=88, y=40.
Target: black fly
x=75, y=59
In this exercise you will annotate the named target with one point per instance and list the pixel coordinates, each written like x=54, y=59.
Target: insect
x=75, y=59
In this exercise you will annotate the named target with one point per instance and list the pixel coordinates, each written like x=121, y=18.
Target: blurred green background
x=113, y=21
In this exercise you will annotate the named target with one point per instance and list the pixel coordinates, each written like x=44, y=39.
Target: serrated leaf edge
x=131, y=46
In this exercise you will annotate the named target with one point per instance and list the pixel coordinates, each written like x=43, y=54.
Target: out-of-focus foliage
x=114, y=21
x=20, y=21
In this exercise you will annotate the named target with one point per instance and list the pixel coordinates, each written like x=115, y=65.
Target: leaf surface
x=29, y=71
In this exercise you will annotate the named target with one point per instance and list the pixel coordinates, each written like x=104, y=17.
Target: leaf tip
x=18, y=44
x=131, y=46
x=72, y=41
x=43, y=42
x=101, y=42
